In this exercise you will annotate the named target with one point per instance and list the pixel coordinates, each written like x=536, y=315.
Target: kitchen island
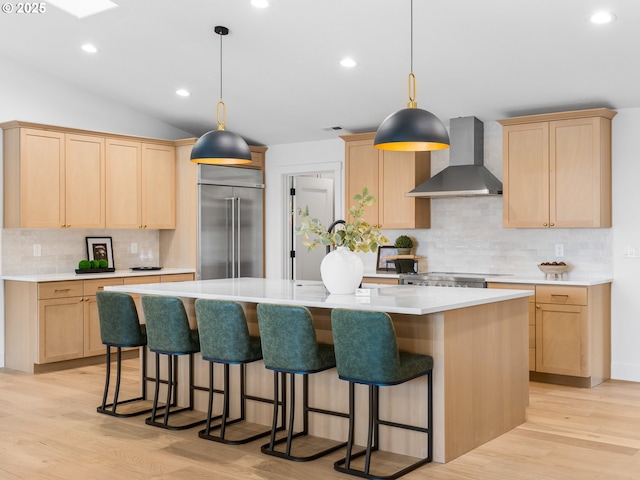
x=477, y=337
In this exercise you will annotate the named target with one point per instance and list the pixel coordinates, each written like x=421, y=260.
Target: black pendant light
x=220, y=147
x=412, y=129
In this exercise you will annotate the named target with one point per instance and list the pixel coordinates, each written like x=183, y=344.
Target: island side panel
x=486, y=373
x=21, y=320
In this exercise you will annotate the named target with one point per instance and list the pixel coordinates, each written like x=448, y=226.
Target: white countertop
x=567, y=279
x=59, y=277
x=540, y=279
x=407, y=299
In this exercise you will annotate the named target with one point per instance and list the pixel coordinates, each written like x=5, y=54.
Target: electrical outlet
x=37, y=250
x=134, y=247
x=559, y=250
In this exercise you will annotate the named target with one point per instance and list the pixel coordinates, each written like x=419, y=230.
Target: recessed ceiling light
x=83, y=8
x=603, y=17
x=183, y=93
x=348, y=62
x=89, y=48
x=260, y=3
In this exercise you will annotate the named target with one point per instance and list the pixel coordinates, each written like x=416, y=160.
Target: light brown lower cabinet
x=380, y=280
x=569, y=333
x=49, y=322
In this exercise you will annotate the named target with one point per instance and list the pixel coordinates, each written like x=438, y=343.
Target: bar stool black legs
x=110, y=408
x=373, y=435
x=207, y=434
x=269, y=448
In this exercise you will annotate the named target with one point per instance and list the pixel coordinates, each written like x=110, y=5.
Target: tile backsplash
x=466, y=235
x=62, y=249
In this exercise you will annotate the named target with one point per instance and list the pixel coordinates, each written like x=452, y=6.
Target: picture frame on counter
x=384, y=265
x=99, y=248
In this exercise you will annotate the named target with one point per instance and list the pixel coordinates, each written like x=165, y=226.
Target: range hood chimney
x=466, y=174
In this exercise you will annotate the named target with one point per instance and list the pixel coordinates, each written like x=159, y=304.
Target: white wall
x=31, y=96
x=625, y=308
x=292, y=159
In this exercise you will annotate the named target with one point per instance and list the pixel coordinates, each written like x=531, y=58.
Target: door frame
x=282, y=186
x=292, y=182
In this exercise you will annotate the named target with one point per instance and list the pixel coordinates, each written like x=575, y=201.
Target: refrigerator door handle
x=231, y=240
x=238, y=239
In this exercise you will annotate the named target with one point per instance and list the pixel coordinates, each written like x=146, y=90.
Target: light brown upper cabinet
x=388, y=175
x=557, y=170
x=140, y=184
x=53, y=179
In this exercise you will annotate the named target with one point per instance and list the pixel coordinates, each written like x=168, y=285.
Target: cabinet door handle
x=100, y=288
x=57, y=290
x=557, y=295
x=552, y=224
x=544, y=224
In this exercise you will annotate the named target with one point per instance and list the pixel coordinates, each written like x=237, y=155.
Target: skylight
x=83, y=8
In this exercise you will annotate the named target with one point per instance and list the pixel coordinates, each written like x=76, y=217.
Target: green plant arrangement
x=403, y=241
x=357, y=234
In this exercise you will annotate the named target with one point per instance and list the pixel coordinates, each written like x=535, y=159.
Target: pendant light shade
x=411, y=129
x=220, y=147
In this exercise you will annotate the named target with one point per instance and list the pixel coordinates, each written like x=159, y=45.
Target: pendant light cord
x=411, y=30
x=221, y=66
x=412, y=77
x=221, y=108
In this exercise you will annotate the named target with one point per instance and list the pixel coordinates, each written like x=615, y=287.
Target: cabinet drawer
x=93, y=286
x=141, y=280
x=561, y=295
x=177, y=277
x=71, y=288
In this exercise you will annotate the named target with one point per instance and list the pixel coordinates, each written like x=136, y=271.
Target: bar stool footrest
x=267, y=449
x=162, y=424
x=109, y=410
x=227, y=441
x=339, y=466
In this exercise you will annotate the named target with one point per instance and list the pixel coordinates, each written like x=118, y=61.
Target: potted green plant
x=404, y=244
x=357, y=235
x=342, y=270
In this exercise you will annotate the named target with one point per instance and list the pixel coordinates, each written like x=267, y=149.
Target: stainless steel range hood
x=466, y=174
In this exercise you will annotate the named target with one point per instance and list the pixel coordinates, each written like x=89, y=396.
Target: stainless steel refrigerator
x=230, y=222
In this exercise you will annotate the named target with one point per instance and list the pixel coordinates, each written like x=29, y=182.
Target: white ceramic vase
x=341, y=271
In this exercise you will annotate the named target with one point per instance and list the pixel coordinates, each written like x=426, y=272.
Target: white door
x=317, y=194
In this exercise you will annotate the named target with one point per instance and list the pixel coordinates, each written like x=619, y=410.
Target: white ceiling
x=282, y=78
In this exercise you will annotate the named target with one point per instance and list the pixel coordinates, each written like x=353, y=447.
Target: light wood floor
x=49, y=429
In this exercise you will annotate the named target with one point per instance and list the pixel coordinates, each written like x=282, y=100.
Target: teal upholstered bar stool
x=367, y=353
x=169, y=333
x=121, y=328
x=225, y=339
x=289, y=348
